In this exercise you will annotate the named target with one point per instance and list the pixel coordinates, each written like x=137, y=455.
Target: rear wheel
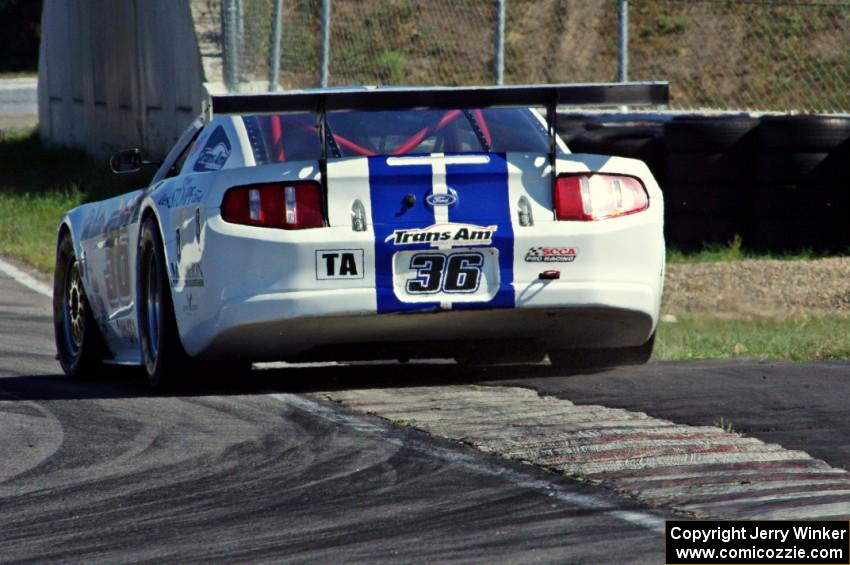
x=162, y=351
x=585, y=359
x=166, y=362
x=78, y=341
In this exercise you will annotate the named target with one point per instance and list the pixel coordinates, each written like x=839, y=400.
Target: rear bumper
x=549, y=315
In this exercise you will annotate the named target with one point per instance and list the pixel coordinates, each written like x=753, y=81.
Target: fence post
x=231, y=45
x=326, y=42
x=240, y=23
x=622, y=40
x=499, y=52
x=274, y=64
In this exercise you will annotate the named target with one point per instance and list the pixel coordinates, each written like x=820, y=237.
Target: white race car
x=365, y=224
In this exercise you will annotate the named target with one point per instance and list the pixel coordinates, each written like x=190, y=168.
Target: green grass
x=28, y=225
x=799, y=339
x=725, y=425
x=735, y=250
x=718, y=253
x=18, y=74
x=38, y=185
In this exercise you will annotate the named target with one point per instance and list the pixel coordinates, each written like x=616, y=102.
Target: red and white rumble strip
x=700, y=470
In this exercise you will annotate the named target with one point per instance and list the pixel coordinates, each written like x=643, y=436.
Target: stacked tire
x=800, y=189
x=571, y=126
x=708, y=171
x=634, y=139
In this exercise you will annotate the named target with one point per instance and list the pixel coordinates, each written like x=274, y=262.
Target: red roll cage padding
x=279, y=155
x=344, y=142
x=405, y=147
x=417, y=137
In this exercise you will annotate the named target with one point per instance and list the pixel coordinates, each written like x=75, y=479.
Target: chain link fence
x=768, y=55
x=745, y=54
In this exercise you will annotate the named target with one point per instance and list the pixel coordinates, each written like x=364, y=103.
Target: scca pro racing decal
x=444, y=235
x=453, y=247
x=551, y=255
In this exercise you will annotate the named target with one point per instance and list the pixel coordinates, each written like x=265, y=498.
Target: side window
x=178, y=164
x=215, y=153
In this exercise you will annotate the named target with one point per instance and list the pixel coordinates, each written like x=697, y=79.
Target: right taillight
x=290, y=206
x=597, y=196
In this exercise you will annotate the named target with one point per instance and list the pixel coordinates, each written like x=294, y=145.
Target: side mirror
x=128, y=161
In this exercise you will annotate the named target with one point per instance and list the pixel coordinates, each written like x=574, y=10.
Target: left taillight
x=289, y=206
x=598, y=196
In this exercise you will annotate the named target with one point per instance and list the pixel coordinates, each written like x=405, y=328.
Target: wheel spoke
x=73, y=309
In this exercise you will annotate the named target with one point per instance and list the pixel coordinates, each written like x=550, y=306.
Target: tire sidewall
x=158, y=367
x=88, y=353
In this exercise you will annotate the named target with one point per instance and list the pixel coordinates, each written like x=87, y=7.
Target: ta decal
x=336, y=264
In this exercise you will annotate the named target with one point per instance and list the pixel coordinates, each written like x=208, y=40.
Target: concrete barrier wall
x=118, y=73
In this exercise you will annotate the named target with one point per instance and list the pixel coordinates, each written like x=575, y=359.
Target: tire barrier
x=708, y=134
x=571, y=126
x=803, y=133
x=780, y=182
x=800, y=176
x=637, y=139
x=705, y=187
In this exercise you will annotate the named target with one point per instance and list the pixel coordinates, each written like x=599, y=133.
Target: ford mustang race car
x=357, y=224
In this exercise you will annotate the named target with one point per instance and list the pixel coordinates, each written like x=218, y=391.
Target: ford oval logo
x=441, y=199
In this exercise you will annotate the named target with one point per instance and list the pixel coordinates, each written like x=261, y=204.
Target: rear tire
x=79, y=344
x=707, y=134
x=164, y=358
x=586, y=359
x=803, y=134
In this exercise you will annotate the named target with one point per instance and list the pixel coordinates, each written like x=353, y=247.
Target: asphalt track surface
x=19, y=96
x=103, y=470
x=18, y=102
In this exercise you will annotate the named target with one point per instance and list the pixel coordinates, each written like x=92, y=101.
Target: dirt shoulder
x=759, y=288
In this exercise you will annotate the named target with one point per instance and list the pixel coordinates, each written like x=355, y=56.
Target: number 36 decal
x=454, y=273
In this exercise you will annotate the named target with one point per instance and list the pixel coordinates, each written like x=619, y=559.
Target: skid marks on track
x=699, y=470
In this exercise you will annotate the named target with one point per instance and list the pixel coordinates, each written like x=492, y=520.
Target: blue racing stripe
x=388, y=187
x=483, y=200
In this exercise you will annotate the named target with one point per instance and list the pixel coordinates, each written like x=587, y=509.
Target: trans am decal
x=410, y=276
x=440, y=235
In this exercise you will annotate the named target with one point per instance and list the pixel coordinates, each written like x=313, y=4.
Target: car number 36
x=454, y=273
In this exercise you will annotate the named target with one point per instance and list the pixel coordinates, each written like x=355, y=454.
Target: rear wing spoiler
x=409, y=98
x=549, y=96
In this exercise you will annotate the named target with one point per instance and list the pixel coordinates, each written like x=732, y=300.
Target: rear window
x=291, y=137
x=284, y=137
